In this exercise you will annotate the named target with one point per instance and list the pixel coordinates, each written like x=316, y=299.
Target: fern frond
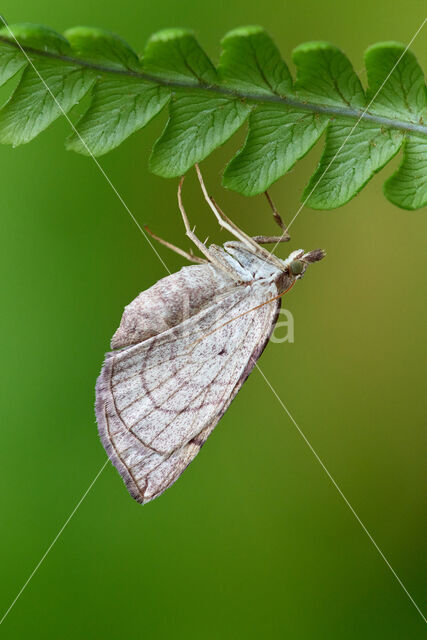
x=208, y=104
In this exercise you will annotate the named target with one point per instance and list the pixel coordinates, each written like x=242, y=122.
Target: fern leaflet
x=207, y=104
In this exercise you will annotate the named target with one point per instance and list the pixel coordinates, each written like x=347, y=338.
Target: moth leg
x=190, y=232
x=278, y=219
x=256, y=240
x=223, y=220
x=188, y=256
x=271, y=239
x=228, y=224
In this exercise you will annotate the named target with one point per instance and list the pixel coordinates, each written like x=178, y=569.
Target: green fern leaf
x=121, y=104
x=33, y=107
x=364, y=129
x=199, y=122
x=277, y=136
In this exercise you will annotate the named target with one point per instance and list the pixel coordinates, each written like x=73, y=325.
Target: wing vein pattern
x=160, y=397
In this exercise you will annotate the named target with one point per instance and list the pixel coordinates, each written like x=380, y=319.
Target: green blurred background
x=254, y=540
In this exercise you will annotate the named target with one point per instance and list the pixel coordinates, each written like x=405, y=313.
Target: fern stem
x=290, y=101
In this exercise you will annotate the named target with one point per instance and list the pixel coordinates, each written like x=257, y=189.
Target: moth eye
x=296, y=267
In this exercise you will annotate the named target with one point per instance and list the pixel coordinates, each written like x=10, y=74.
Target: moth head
x=298, y=261
x=296, y=267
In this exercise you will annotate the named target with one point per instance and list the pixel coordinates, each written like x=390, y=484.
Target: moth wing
x=158, y=401
x=168, y=302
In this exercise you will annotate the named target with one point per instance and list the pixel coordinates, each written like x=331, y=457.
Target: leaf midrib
x=341, y=111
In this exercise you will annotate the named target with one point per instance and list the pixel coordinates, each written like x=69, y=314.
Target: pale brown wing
x=157, y=401
x=171, y=300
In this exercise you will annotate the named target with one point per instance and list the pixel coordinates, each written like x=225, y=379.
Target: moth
x=185, y=347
